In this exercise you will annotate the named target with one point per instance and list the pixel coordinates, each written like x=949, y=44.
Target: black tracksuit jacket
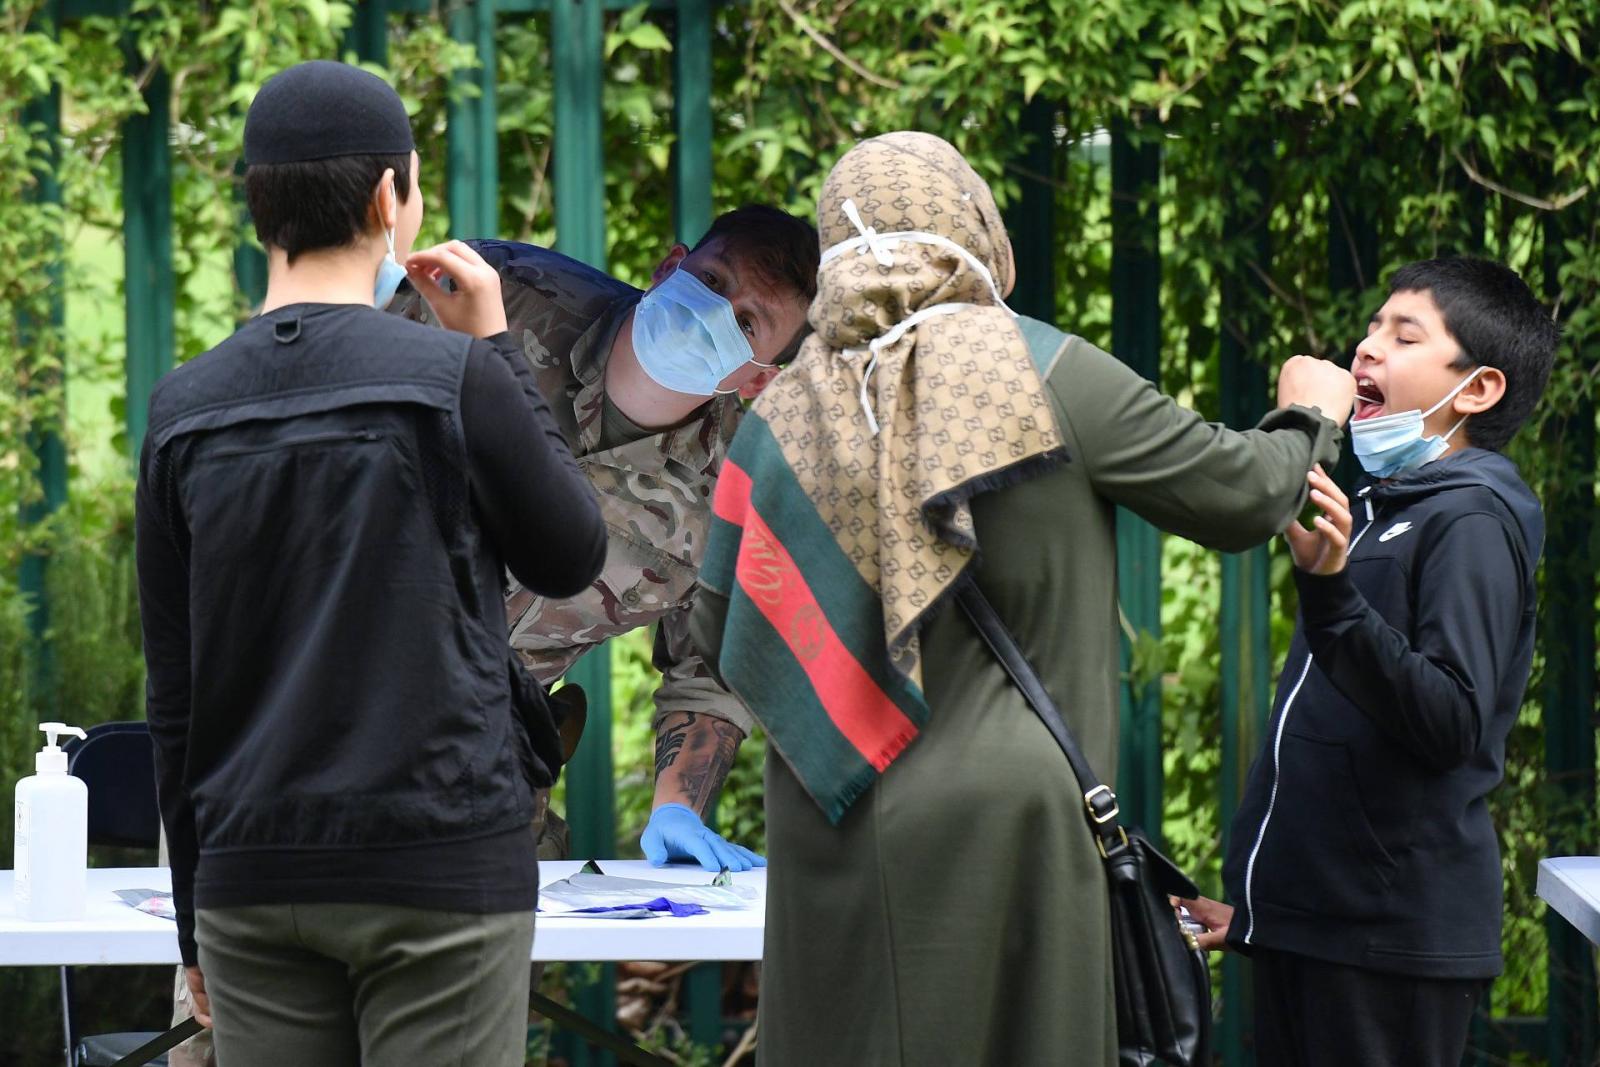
x=1364, y=835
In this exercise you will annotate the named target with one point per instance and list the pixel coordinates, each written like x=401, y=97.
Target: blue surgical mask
x=687, y=338
x=1392, y=444
x=390, y=275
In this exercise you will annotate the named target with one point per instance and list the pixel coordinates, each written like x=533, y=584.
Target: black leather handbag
x=1163, y=987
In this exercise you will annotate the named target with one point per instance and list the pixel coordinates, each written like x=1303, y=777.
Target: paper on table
x=150, y=901
x=582, y=892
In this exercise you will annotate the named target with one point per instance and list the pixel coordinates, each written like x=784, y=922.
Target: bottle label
x=23, y=886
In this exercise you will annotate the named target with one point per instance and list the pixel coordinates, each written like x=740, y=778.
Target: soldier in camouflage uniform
x=653, y=455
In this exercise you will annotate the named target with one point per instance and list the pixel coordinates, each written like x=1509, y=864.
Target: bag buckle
x=1100, y=843
x=1103, y=795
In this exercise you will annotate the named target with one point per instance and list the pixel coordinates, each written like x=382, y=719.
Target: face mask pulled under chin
x=1393, y=444
x=687, y=338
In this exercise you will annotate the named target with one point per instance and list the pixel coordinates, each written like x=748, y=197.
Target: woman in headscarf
x=935, y=896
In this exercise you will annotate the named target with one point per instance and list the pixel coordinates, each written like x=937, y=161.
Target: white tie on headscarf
x=881, y=246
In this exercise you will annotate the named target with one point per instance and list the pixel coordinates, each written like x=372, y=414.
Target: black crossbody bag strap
x=1099, y=801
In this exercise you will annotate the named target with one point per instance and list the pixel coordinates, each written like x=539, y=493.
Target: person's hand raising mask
x=472, y=304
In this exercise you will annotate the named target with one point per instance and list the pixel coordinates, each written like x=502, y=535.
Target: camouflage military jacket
x=655, y=492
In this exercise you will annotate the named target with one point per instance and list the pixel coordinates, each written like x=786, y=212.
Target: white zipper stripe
x=1272, y=800
x=1277, y=744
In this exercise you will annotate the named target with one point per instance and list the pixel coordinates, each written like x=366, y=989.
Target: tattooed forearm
x=670, y=741
x=703, y=779
x=694, y=755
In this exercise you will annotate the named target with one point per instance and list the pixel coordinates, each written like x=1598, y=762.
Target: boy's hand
x=474, y=306
x=1316, y=383
x=1215, y=916
x=1324, y=549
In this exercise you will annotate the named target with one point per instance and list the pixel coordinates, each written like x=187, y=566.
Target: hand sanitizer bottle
x=52, y=839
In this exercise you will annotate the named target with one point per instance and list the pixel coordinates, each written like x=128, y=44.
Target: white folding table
x=1571, y=885
x=112, y=933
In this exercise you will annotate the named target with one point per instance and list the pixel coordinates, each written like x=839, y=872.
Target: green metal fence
x=576, y=28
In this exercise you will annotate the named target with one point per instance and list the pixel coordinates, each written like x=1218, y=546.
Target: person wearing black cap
x=346, y=750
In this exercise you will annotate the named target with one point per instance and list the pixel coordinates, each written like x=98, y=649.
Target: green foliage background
x=1455, y=125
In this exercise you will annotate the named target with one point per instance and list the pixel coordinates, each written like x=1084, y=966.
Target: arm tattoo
x=703, y=779
x=670, y=743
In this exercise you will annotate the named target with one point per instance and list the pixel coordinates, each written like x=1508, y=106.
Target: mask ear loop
x=875, y=243
x=388, y=231
x=1451, y=395
x=753, y=363
x=879, y=245
x=884, y=258
x=878, y=344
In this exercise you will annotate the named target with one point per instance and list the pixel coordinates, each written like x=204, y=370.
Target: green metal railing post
x=576, y=51
x=368, y=33
x=1032, y=218
x=592, y=820
x=44, y=436
x=691, y=119
x=691, y=217
x=1352, y=243
x=1473, y=208
x=249, y=261
x=594, y=832
x=1567, y=625
x=367, y=37
x=1136, y=340
x=472, y=182
x=1246, y=587
x=1352, y=267
x=147, y=233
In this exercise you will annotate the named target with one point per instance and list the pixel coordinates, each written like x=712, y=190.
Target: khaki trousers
x=363, y=985
x=549, y=829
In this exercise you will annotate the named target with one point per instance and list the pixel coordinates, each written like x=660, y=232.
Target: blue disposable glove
x=675, y=832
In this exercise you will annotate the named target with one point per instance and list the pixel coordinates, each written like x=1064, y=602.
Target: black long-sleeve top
x=251, y=619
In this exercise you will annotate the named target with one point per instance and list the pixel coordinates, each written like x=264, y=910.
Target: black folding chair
x=117, y=762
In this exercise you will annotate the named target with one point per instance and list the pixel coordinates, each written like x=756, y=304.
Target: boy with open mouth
x=1363, y=863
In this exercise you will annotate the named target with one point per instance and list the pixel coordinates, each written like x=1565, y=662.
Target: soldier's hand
x=1317, y=383
x=675, y=832
x=473, y=304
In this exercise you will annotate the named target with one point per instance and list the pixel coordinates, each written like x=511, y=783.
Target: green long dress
x=957, y=914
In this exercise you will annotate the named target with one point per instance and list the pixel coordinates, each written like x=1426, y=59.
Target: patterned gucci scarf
x=842, y=515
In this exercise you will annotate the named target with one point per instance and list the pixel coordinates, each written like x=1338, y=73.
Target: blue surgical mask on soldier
x=687, y=338
x=390, y=273
x=1392, y=444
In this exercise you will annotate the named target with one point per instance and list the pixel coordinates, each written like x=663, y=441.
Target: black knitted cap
x=322, y=109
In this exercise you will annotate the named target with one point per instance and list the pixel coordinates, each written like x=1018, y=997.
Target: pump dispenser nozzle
x=52, y=760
